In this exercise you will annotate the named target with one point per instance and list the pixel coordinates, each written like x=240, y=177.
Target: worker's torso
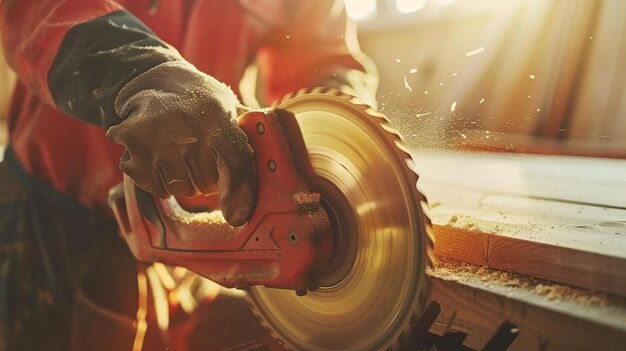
x=220, y=37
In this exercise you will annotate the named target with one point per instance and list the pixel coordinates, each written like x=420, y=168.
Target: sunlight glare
x=360, y=9
x=410, y=6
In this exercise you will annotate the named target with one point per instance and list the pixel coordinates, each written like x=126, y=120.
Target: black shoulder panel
x=94, y=61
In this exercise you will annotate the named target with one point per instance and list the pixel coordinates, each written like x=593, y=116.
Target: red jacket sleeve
x=78, y=54
x=32, y=31
x=315, y=46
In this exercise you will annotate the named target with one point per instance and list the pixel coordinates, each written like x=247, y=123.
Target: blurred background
x=6, y=85
x=518, y=75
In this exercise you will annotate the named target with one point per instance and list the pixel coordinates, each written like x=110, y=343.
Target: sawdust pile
x=177, y=213
x=454, y=270
x=463, y=222
x=214, y=217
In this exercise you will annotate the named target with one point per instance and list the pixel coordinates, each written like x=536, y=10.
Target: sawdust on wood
x=455, y=270
x=463, y=222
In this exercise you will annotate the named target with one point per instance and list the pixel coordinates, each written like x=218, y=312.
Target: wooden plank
x=574, y=241
x=549, y=317
x=589, y=228
x=560, y=264
x=583, y=180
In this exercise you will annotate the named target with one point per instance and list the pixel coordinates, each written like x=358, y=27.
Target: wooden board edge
x=551, y=262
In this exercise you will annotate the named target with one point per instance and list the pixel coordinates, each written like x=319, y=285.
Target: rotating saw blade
x=374, y=286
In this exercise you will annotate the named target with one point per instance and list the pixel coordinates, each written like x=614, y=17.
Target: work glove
x=181, y=137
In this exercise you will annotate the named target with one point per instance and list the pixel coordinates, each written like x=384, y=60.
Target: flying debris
x=475, y=51
x=406, y=85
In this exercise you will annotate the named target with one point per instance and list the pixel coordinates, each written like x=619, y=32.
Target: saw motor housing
x=288, y=236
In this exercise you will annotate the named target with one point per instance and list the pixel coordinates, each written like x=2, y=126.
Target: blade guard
x=288, y=235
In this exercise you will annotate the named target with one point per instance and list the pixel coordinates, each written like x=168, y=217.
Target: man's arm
x=95, y=61
x=78, y=54
x=316, y=46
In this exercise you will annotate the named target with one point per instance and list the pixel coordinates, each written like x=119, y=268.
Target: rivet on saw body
x=260, y=128
x=293, y=238
x=271, y=165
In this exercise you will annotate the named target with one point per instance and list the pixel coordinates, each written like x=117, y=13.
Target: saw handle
x=182, y=230
x=287, y=235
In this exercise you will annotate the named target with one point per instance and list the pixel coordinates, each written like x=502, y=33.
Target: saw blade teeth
x=430, y=251
x=406, y=154
x=394, y=138
x=357, y=102
x=319, y=90
x=411, y=164
x=424, y=199
x=426, y=209
x=380, y=118
x=389, y=129
x=281, y=100
x=402, y=145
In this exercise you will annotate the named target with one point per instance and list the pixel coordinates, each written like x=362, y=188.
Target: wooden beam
x=549, y=316
x=584, y=180
x=556, y=218
x=560, y=264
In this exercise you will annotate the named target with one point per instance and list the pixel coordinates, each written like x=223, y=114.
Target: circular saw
x=334, y=256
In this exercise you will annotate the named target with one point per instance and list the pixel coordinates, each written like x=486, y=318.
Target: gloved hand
x=181, y=137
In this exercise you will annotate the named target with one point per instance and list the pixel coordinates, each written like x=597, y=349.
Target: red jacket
x=75, y=55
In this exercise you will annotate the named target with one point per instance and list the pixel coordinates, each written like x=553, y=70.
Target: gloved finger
x=126, y=135
x=174, y=177
x=119, y=134
x=237, y=180
x=201, y=167
x=145, y=175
